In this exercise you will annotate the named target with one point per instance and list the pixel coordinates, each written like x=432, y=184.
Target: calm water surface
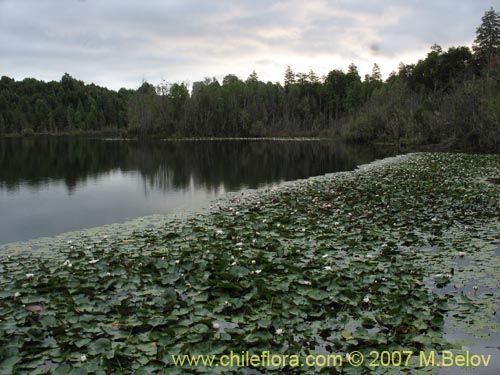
x=57, y=184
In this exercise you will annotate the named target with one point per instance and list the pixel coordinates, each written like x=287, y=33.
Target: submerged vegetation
x=449, y=97
x=351, y=261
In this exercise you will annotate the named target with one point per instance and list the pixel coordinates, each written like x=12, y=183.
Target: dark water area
x=51, y=185
x=494, y=180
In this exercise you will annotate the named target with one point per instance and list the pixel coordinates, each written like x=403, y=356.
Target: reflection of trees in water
x=173, y=165
x=33, y=161
x=237, y=164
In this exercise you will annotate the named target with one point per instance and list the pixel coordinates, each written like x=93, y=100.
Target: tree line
x=33, y=106
x=450, y=96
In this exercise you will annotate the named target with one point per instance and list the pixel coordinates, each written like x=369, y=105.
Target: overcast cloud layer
x=118, y=43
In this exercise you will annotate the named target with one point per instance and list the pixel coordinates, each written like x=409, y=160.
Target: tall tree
x=487, y=43
x=313, y=77
x=302, y=78
x=353, y=72
x=289, y=76
x=376, y=73
x=253, y=78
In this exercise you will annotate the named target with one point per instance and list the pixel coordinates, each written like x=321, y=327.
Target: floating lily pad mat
x=397, y=255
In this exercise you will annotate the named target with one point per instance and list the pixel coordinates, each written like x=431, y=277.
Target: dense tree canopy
x=487, y=43
x=448, y=95
x=68, y=105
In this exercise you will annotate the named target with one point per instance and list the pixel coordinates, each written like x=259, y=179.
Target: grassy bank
x=366, y=260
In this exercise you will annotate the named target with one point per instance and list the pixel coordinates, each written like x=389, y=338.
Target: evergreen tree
x=313, y=77
x=253, y=78
x=289, y=76
x=376, y=73
x=487, y=43
x=352, y=71
x=302, y=78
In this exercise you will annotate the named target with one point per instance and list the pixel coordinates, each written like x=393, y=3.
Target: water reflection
x=55, y=184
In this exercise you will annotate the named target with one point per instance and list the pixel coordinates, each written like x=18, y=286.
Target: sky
x=120, y=43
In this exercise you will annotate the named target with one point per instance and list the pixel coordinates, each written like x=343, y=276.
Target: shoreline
x=121, y=228
x=445, y=146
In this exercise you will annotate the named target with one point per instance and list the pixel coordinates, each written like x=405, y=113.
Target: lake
x=51, y=185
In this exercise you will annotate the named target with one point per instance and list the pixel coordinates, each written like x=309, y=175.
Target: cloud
x=119, y=42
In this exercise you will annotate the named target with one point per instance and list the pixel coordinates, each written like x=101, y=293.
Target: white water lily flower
x=94, y=261
x=177, y=261
x=105, y=237
x=215, y=325
x=325, y=256
x=83, y=358
x=258, y=271
x=253, y=261
x=239, y=244
x=70, y=242
x=30, y=275
x=89, y=247
x=279, y=331
x=306, y=282
x=366, y=300
x=233, y=264
x=461, y=254
x=219, y=232
x=17, y=294
x=226, y=303
x=67, y=263
x=328, y=268
x=108, y=274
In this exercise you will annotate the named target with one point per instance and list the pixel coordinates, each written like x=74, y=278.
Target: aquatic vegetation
x=362, y=261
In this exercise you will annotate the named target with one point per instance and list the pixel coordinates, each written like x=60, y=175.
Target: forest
x=450, y=97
